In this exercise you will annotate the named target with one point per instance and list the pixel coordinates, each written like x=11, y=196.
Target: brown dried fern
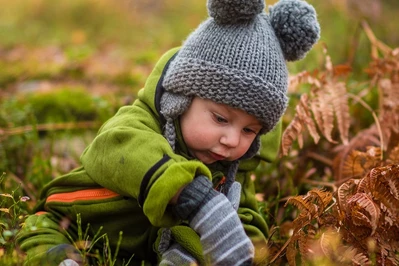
x=364, y=223
x=303, y=229
x=365, y=217
x=358, y=163
x=326, y=100
x=370, y=212
x=384, y=74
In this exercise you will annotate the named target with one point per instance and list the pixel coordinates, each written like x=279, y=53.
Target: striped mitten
x=173, y=254
x=213, y=217
x=177, y=256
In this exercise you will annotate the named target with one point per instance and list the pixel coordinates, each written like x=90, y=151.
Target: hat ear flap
x=173, y=105
x=253, y=149
x=296, y=26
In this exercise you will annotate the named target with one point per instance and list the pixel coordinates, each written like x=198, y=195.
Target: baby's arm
x=131, y=157
x=44, y=242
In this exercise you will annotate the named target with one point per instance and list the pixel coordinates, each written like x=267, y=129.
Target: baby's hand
x=214, y=218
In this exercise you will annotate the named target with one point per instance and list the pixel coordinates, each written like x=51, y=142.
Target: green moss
x=27, y=69
x=66, y=104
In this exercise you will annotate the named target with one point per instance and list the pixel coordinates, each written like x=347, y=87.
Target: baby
x=172, y=171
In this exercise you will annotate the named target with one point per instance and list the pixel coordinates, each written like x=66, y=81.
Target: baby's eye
x=220, y=119
x=251, y=131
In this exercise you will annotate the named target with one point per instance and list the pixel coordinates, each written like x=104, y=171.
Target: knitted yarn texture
x=238, y=57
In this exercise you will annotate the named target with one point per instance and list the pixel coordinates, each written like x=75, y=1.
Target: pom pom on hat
x=232, y=11
x=296, y=27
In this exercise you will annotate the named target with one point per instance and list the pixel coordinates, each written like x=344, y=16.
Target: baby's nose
x=231, y=139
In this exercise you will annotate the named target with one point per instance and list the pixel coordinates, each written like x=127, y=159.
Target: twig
x=319, y=158
x=320, y=183
x=6, y=132
x=341, y=181
x=377, y=123
x=292, y=238
x=354, y=44
x=375, y=42
x=25, y=188
x=332, y=205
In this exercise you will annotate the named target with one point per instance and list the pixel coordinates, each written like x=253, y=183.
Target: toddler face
x=215, y=132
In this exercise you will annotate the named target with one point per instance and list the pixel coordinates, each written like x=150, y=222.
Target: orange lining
x=40, y=213
x=87, y=194
x=221, y=183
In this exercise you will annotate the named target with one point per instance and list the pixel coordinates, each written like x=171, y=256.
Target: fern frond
x=394, y=155
x=361, y=259
x=344, y=191
x=305, y=243
x=389, y=110
x=324, y=113
x=341, y=108
x=358, y=163
x=291, y=133
x=384, y=186
x=303, y=118
x=345, y=254
x=367, y=137
x=302, y=203
x=327, y=99
x=329, y=242
x=363, y=211
x=384, y=71
x=386, y=198
x=352, y=167
x=322, y=198
x=304, y=113
x=363, y=186
x=372, y=178
x=301, y=221
x=291, y=253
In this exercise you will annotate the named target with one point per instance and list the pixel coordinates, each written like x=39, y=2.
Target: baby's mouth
x=216, y=156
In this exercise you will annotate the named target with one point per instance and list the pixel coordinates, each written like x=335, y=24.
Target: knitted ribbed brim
x=193, y=77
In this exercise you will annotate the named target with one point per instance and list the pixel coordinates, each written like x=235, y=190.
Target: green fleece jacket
x=128, y=175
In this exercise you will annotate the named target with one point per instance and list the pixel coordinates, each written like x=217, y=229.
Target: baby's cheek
x=195, y=140
x=242, y=149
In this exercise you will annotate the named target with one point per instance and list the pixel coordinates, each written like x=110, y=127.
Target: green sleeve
x=129, y=147
x=38, y=235
x=253, y=222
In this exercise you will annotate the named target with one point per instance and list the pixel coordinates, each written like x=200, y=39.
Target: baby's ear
x=296, y=27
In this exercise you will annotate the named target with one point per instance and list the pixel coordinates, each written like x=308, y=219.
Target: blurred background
x=43, y=42
x=67, y=66
x=119, y=41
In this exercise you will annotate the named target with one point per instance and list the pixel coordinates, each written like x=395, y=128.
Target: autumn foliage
x=355, y=220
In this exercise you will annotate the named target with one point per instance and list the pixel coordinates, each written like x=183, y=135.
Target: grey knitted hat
x=238, y=57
